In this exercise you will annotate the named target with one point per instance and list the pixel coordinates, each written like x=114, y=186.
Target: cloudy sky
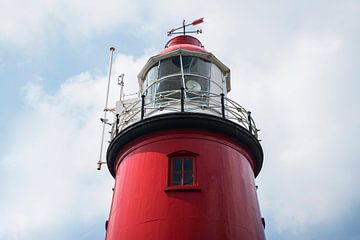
x=295, y=65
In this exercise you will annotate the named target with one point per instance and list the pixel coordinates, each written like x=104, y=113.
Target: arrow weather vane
x=195, y=22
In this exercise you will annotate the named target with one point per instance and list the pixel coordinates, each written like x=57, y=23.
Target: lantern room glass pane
x=195, y=83
x=217, y=80
x=194, y=65
x=170, y=66
x=151, y=76
x=168, y=84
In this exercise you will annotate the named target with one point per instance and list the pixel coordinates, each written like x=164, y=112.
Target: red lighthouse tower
x=184, y=156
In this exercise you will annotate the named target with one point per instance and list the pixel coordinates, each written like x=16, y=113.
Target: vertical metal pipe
x=182, y=99
x=121, y=83
x=142, y=106
x=182, y=72
x=112, y=49
x=249, y=119
x=117, y=124
x=222, y=105
x=184, y=27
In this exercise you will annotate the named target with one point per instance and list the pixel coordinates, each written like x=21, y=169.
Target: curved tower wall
x=222, y=205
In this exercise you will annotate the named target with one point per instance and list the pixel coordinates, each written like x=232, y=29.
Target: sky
x=294, y=64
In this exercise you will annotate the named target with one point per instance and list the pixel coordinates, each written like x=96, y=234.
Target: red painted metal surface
x=222, y=206
x=184, y=42
x=197, y=21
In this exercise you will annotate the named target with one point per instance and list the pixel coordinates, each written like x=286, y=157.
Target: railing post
x=182, y=99
x=117, y=124
x=249, y=119
x=142, y=106
x=222, y=105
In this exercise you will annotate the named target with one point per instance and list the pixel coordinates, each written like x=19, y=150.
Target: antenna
x=121, y=83
x=104, y=120
x=183, y=27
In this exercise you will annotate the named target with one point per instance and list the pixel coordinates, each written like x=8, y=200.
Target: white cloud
x=305, y=179
x=49, y=175
x=36, y=22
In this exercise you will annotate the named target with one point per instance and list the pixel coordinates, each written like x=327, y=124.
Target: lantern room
x=183, y=77
x=183, y=64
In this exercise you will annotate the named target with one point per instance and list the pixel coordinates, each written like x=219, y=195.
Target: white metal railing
x=181, y=100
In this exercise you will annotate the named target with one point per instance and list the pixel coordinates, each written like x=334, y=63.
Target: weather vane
x=183, y=27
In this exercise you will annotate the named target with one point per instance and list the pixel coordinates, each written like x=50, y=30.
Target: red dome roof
x=183, y=42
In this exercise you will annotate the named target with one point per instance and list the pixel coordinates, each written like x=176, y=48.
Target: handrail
x=182, y=100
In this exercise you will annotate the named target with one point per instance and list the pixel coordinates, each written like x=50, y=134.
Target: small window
x=182, y=169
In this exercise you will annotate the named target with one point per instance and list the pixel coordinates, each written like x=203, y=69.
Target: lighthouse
x=184, y=156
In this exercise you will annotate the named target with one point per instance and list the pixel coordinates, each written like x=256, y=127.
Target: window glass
x=149, y=93
x=217, y=79
x=152, y=74
x=151, y=89
x=188, y=171
x=198, y=84
x=176, y=171
x=182, y=171
x=215, y=88
x=168, y=84
x=188, y=178
x=194, y=65
x=170, y=66
x=188, y=164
